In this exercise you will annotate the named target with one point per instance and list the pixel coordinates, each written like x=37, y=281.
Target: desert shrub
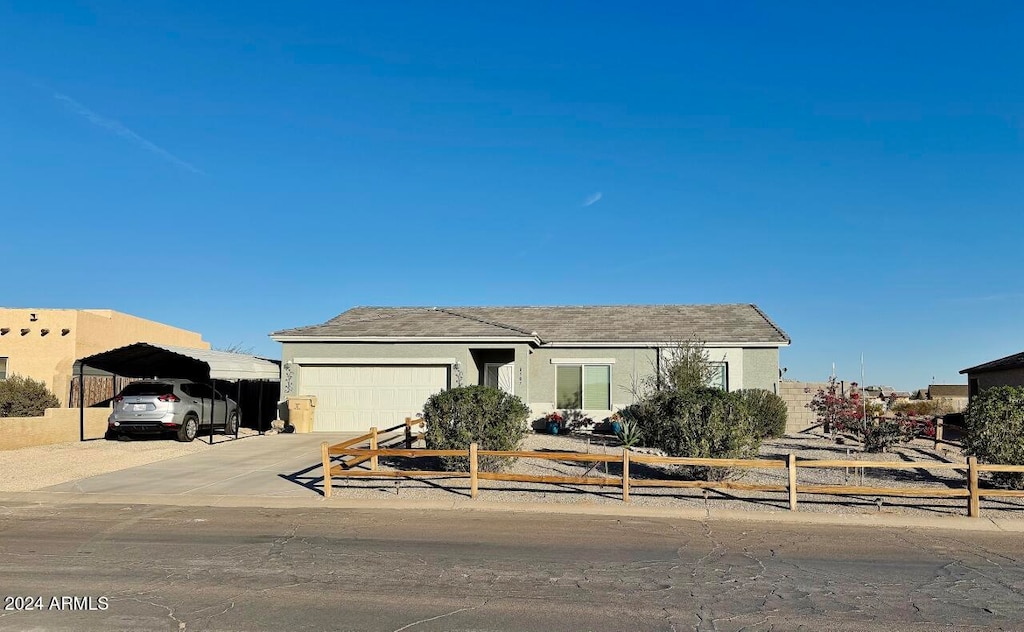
x=767, y=412
x=880, y=434
x=702, y=423
x=488, y=416
x=925, y=407
x=25, y=397
x=994, y=431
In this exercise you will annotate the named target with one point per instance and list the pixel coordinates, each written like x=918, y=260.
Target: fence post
x=373, y=446
x=938, y=432
x=625, y=475
x=473, y=468
x=408, y=434
x=792, y=482
x=974, y=501
x=326, y=456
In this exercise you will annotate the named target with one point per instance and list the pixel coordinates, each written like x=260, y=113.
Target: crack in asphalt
x=440, y=616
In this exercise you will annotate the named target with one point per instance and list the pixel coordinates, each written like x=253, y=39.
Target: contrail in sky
x=593, y=199
x=118, y=128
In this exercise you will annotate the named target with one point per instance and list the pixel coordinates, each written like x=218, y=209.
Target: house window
x=587, y=387
x=972, y=387
x=3, y=368
x=719, y=376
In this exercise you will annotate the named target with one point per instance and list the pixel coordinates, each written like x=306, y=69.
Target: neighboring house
x=1008, y=371
x=43, y=344
x=955, y=394
x=374, y=366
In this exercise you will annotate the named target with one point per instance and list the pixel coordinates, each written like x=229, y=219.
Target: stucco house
x=374, y=366
x=43, y=344
x=1008, y=371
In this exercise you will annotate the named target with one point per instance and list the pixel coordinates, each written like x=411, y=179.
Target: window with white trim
x=3, y=368
x=719, y=376
x=584, y=386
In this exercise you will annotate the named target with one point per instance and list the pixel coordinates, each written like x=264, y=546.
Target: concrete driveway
x=274, y=465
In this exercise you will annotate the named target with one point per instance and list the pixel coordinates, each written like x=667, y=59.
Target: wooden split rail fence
x=353, y=456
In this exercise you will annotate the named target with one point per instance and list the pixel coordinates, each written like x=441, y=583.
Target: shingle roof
x=1009, y=362
x=738, y=323
x=947, y=390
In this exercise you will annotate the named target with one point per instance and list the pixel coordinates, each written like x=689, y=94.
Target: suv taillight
x=118, y=399
x=170, y=397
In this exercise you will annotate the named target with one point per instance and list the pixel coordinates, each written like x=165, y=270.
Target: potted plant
x=553, y=423
x=615, y=424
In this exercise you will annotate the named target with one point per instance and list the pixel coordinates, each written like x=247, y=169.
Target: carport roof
x=144, y=359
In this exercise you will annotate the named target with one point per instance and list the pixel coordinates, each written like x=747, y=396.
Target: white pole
x=863, y=401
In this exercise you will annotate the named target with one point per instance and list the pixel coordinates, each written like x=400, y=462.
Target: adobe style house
x=43, y=344
x=1008, y=371
x=374, y=366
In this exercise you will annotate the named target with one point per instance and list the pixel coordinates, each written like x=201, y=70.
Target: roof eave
x=329, y=338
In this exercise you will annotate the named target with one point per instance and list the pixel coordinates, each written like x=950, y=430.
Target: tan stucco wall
x=1011, y=377
x=49, y=358
x=57, y=425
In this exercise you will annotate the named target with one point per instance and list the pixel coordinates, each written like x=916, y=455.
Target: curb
x=465, y=505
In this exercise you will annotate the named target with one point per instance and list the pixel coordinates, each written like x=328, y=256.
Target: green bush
x=488, y=416
x=994, y=431
x=700, y=423
x=767, y=412
x=25, y=397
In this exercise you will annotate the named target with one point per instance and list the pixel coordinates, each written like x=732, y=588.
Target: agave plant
x=628, y=433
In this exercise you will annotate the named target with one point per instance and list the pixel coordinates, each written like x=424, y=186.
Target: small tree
x=686, y=366
x=25, y=397
x=994, y=430
x=835, y=410
x=484, y=415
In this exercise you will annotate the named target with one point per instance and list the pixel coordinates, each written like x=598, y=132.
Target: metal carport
x=147, y=360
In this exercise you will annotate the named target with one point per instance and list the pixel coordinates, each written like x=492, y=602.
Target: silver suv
x=181, y=406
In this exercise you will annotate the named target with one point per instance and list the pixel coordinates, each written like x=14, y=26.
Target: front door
x=501, y=375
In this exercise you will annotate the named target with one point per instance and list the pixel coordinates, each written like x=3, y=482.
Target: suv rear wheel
x=189, y=428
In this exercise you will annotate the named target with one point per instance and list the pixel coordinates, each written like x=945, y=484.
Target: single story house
x=1008, y=371
x=374, y=366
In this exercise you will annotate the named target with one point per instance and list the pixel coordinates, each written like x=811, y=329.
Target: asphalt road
x=191, y=568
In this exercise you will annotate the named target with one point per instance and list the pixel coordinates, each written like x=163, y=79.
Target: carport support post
x=213, y=407
x=81, y=401
x=259, y=409
x=225, y=414
x=238, y=402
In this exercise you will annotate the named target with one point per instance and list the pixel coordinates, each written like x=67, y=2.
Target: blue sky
x=240, y=167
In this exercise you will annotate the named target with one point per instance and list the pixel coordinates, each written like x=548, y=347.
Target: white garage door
x=356, y=398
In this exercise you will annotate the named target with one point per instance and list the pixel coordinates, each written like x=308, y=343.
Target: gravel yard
x=28, y=469
x=805, y=446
